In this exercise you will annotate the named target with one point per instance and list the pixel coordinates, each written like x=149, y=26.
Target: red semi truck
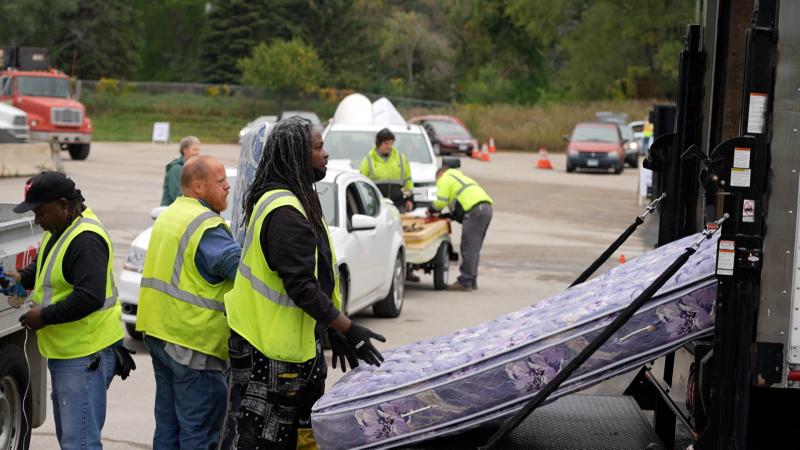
x=28, y=83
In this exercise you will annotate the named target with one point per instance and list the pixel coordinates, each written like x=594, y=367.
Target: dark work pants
x=473, y=231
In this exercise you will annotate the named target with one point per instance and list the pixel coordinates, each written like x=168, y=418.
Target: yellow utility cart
x=428, y=247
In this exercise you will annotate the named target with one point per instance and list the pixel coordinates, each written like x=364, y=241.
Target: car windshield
x=446, y=128
x=327, y=198
x=43, y=87
x=354, y=145
x=595, y=133
x=627, y=132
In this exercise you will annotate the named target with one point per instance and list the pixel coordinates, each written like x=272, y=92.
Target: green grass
x=130, y=117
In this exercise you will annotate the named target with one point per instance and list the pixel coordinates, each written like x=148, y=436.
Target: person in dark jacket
x=75, y=312
x=190, y=147
x=285, y=293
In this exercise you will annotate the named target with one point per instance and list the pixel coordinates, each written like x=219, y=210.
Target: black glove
x=125, y=362
x=341, y=350
x=359, y=338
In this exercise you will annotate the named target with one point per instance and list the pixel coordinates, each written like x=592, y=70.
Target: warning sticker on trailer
x=756, y=113
x=748, y=210
x=726, y=256
x=741, y=157
x=740, y=177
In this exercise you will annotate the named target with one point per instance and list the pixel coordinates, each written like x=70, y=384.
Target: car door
x=360, y=248
x=381, y=251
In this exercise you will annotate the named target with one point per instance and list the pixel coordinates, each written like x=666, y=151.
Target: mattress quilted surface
x=484, y=372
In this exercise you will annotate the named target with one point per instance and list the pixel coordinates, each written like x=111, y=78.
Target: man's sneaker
x=457, y=286
x=412, y=278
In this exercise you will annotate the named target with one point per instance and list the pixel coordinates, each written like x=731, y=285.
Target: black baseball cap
x=45, y=187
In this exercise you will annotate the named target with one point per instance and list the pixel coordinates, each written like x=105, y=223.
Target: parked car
x=447, y=134
x=637, y=127
x=367, y=239
x=595, y=145
x=312, y=116
x=630, y=145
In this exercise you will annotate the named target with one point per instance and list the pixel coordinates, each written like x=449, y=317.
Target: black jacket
x=289, y=246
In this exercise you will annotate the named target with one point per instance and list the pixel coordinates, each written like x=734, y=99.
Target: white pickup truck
x=23, y=371
x=13, y=124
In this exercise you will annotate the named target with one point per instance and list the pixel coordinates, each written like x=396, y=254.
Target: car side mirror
x=155, y=212
x=565, y=138
x=360, y=222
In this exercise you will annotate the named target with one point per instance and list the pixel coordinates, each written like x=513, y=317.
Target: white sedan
x=367, y=238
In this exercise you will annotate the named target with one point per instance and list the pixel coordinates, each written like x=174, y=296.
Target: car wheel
x=393, y=303
x=437, y=149
x=570, y=168
x=136, y=335
x=15, y=414
x=619, y=168
x=633, y=161
x=78, y=151
x=441, y=269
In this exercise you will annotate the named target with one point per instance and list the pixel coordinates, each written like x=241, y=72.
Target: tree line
x=472, y=51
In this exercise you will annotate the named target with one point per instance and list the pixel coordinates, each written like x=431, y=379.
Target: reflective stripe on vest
x=47, y=283
x=257, y=284
x=403, y=178
x=464, y=186
x=172, y=289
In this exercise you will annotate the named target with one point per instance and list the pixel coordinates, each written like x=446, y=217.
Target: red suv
x=447, y=134
x=595, y=145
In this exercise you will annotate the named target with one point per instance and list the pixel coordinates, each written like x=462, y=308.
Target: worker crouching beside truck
x=76, y=313
x=471, y=206
x=286, y=293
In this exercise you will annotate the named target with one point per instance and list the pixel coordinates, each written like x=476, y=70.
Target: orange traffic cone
x=492, y=148
x=475, y=152
x=485, y=154
x=544, y=160
x=622, y=258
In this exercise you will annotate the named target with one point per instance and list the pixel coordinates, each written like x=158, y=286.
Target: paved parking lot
x=547, y=227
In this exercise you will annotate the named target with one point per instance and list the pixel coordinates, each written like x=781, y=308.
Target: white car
x=13, y=124
x=348, y=144
x=367, y=238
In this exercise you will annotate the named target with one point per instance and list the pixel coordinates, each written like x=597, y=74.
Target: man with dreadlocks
x=76, y=314
x=285, y=292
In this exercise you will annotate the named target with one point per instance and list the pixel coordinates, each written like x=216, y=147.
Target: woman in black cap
x=75, y=311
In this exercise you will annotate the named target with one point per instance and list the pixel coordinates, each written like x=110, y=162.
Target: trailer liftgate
x=735, y=150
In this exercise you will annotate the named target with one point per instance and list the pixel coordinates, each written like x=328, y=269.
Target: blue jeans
x=79, y=398
x=190, y=404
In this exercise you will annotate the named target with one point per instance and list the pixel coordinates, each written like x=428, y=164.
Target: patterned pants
x=276, y=396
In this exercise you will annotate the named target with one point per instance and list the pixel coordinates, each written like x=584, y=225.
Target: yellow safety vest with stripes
x=89, y=334
x=176, y=304
x=259, y=309
x=454, y=186
x=395, y=169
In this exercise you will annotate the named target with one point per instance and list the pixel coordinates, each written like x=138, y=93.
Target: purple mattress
x=486, y=373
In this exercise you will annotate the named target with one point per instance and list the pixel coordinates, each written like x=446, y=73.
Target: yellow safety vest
x=176, y=304
x=259, y=309
x=454, y=186
x=89, y=334
x=395, y=169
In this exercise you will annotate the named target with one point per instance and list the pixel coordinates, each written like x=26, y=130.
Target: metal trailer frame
x=743, y=385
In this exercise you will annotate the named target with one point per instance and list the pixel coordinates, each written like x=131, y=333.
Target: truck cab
x=53, y=116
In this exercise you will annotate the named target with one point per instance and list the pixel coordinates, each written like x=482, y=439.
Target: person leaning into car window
x=75, y=313
x=390, y=171
x=285, y=293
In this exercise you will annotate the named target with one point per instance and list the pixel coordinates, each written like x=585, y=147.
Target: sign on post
x=161, y=132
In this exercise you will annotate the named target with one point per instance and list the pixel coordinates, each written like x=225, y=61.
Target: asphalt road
x=547, y=227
